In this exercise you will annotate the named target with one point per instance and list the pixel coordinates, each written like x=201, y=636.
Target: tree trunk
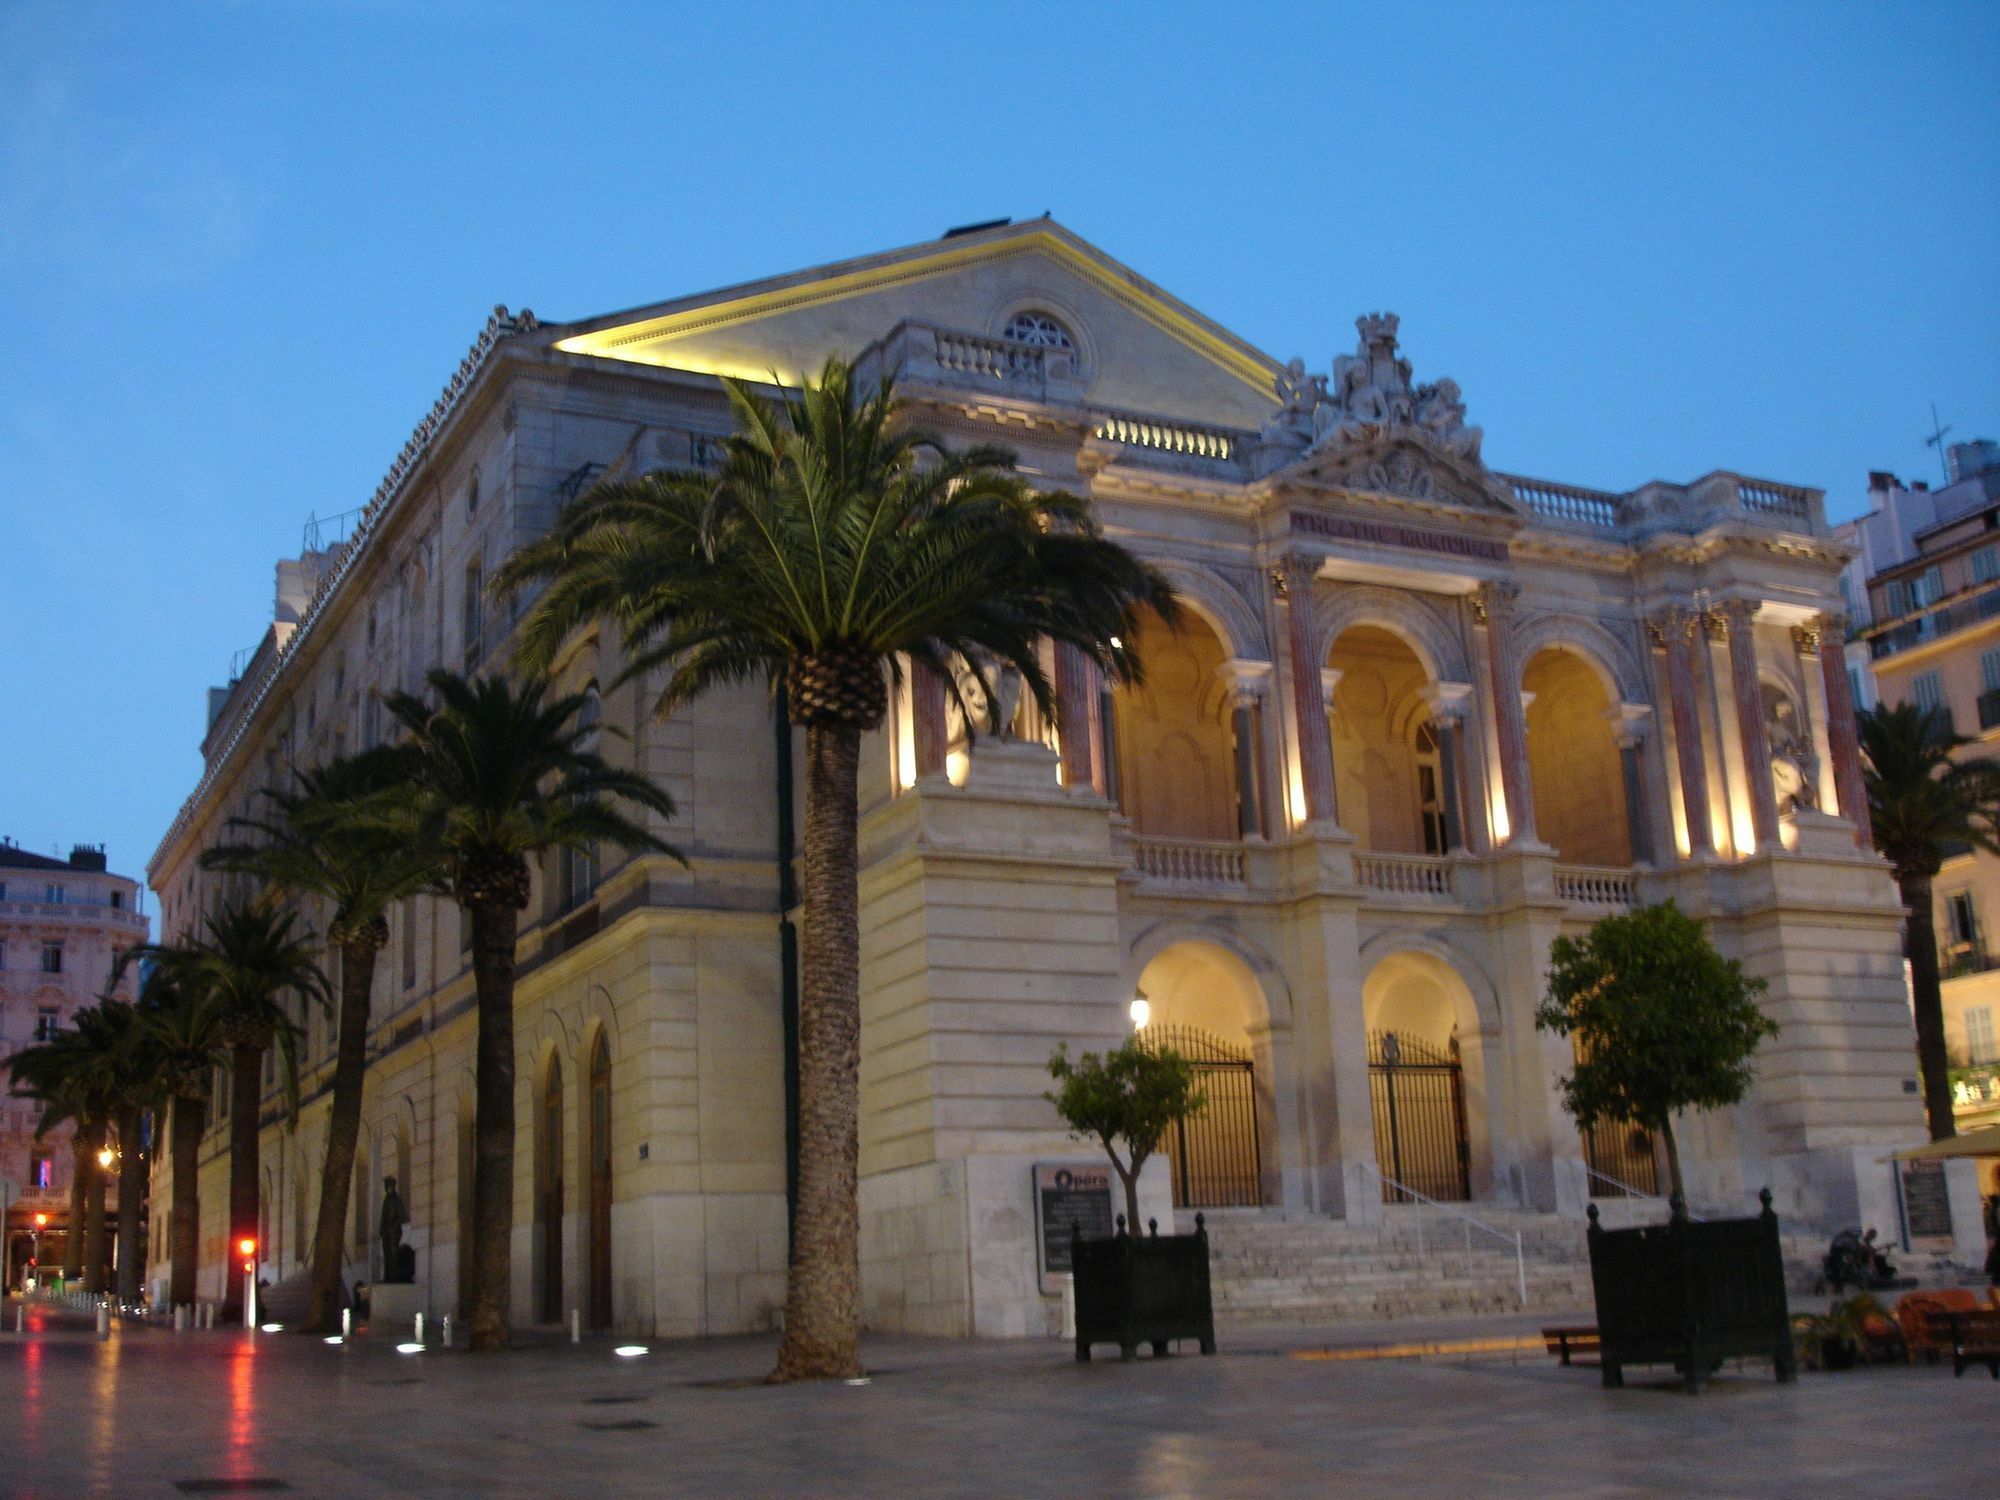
x=246, y=1098
x=1676, y=1187
x=343, y=1132
x=131, y=1193
x=83, y=1166
x=184, y=1225
x=1130, y=1182
x=93, y=1215
x=823, y=1296
x=493, y=937
x=1927, y=999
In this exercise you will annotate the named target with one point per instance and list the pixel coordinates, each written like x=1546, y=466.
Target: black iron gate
x=1216, y=1157
x=1622, y=1151
x=1418, y=1095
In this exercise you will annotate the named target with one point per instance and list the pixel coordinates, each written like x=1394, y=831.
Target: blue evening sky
x=243, y=245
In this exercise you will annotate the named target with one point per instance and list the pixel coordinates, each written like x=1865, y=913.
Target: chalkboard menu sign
x=1925, y=1204
x=1069, y=1192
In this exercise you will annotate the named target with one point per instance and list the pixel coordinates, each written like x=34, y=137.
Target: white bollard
x=21, y=1318
x=104, y=1319
x=420, y=1328
x=575, y=1326
x=445, y=1337
x=346, y=1324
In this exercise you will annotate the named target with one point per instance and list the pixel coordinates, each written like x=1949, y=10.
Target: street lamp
x=106, y=1156
x=247, y=1249
x=35, y=1248
x=1142, y=1011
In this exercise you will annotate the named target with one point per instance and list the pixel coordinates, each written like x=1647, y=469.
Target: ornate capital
x=1630, y=723
x=1293, y=576
x=1805, y=641
x=1715, y=624
x=1329, y=679
x=1449, y=701
x=1493, y=603
x=1248, y=681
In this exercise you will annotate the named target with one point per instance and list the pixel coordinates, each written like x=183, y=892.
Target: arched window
x=1039, y=329
x=1430, y=789
x=472, y=492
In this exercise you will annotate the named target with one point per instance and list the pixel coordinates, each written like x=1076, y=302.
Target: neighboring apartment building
x=1422, y=718
x=62, y=925
x=1934, y=639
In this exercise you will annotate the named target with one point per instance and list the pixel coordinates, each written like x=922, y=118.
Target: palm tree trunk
x=131, y=1191
x=246, y=1098
x=83, y=1166
x=343, y=1132
x=184, y=1224
x=823, y=1296
x=493, y=938
x=93, y=1217
x=1927, y=999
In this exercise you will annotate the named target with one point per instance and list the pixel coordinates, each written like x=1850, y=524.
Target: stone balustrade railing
x=1189, y=439
x=1424, y=875
x=73, y=911
x=1188, y=861
x=1589, y=885
x=1565, y=502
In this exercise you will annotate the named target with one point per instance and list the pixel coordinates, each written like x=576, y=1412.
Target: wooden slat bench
x=1568, y=1343
x=1975, y=1340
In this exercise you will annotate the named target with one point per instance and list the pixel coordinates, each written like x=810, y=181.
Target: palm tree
x=834, y=540
x=72, y=1075
x=326, y=837
x=497, y=775
x=249, y=958
x=178, y=1036
x=1925, y=804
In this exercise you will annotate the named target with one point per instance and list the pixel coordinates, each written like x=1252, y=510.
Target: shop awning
x=1984, y=1141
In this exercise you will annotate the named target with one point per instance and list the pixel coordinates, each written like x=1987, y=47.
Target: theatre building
x=1421, y=718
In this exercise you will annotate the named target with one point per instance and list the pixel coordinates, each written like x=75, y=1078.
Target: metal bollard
x=420, y=1328
x=21, y=1318
x=445, y=1337
x=575, y=1326
x=346, y=1324
x=104, y=1319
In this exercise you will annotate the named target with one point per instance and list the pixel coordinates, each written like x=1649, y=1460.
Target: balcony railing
x=1590, y=885
x=1426, y=876
x=1189, y=439
x=1566, y=502
x=1956, y=960
x=73, y=911
x=1936, y=621
x=1211, y=862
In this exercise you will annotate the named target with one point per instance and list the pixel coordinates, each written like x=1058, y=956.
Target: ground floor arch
x=1205, y=1002
x=1428, y=1066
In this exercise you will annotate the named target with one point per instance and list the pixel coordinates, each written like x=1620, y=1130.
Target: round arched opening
x=1426, y=1079
x=1204, y=1002
x=1387, y=779
x=1172, y=738
x=1573, y=760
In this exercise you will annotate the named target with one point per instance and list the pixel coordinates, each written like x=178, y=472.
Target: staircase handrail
x=1630, y=1191
x=1471, y=1223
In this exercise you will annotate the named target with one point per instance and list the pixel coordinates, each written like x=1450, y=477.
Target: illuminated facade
x=62, y=924
x=1423, y=717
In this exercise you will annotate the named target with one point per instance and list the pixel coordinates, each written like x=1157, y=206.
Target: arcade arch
x=1429, y=1059
x=1388, y=782
x=1574, y=760
x=1172, y=738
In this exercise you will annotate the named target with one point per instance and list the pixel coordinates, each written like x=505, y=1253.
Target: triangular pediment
x=1139, y=349
x=1408, y=465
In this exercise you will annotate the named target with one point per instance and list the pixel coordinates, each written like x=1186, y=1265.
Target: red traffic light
x=246, y=1246
x=41, y=1221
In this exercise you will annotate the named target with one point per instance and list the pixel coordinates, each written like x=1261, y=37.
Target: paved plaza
x=149, y=1413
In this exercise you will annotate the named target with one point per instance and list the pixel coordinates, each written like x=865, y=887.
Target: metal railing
x=1467, y=1223
x=1626, y=1190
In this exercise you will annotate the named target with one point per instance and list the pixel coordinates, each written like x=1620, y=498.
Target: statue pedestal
x=393, y=1307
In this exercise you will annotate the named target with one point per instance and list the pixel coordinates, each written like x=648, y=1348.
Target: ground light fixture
x=333, y=1338
x=409, y=1348
x=272, y=1328
x=629, y=1351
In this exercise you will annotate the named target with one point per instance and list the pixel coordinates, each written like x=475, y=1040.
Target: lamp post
x=35, y=1247
x=247, y=1247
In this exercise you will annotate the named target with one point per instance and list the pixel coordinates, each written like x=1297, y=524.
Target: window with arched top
x=579, y=865
x=1039, y=329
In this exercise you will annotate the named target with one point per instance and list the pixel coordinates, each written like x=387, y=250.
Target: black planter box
x=1132, y=1291
x=1691, y=1295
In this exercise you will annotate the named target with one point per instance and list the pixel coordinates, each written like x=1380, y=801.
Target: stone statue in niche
x=399, y=1261
x=992, y=697
x=1794, y=767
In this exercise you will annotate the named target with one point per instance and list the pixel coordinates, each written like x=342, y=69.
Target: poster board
x=1066, y=1193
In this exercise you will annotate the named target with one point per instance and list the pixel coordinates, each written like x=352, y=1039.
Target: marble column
x=1248, y=681
x=1448, y=704
x=1748, y=689
x=1841, y=739
x=1629, y=722
x=1496, y=602
x=1077, y=707
x=930, y=730
x=1676, y=634
x=1308, y=693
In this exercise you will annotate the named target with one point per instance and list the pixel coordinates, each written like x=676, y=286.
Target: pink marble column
x=1496, y=600
x=1748, y=688
x=1677, y=633
x=1841, y=741
x=930, y=729
x=1077, y=701
x=1308, y=694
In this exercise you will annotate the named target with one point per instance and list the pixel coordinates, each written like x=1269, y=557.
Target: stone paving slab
x=149, y=1409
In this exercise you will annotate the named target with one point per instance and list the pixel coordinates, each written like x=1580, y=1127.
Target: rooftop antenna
x=1936, y=440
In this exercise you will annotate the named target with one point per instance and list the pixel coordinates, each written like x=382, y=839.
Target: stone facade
x=1422, y=718
x=63, y=923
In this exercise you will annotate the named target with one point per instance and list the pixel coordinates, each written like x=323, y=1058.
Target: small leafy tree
x=1661, y=1023
x=1131, y=1094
